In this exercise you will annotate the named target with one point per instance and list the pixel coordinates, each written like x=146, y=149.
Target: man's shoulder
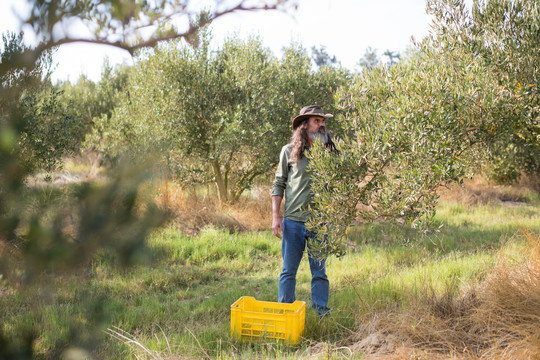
x=286, y=148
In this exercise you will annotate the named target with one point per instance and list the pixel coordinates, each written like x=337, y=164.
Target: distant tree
x=47, y=130
x=208, y=117
x=321, y=57
x=370, y=59
x=14, y=81
x=393, y=57
x=87, y=100
x=81, y=97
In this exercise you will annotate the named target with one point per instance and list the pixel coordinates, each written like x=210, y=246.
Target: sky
x=345, y=27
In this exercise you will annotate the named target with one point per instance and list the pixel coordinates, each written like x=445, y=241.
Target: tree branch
x=29, y=57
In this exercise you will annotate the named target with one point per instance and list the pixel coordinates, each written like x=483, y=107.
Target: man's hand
x=277, y=226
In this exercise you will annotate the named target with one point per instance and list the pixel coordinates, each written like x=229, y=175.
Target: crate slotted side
x=251, y=318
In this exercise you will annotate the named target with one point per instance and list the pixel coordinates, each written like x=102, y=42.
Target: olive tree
x=216, y=116
x=87, y=99
x=504, y=35
x=430, y=119
x=46, y=130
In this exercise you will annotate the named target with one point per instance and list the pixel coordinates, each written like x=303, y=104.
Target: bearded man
x=293, y=180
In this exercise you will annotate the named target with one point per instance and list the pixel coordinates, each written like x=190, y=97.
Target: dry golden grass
x=511, y=307
x=193, y=212
x=498, y=318
x=253, y=212
x=478, y=190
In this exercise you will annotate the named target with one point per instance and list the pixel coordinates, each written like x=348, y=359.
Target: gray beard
x=321, y=135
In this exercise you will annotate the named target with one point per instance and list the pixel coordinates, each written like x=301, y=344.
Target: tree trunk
x=220, y=182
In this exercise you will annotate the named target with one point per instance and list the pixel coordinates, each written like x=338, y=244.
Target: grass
x=177, y=306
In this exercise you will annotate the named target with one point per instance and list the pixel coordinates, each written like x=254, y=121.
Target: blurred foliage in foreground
x=43, y=234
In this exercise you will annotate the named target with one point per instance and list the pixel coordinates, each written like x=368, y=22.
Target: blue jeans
x=292, y=248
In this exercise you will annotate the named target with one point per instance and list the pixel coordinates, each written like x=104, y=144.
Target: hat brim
x=297, y=120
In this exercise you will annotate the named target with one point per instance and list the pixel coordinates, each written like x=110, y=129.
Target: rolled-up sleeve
x=282, y=173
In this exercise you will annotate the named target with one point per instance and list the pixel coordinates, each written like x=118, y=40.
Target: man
x=293, y=180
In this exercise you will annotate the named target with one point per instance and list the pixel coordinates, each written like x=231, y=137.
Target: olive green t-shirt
x=293, y=180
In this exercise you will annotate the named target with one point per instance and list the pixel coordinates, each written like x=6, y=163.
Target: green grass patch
x=179, y=304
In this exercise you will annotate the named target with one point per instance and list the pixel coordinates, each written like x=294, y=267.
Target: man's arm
x=277, y=225
x=278, y=190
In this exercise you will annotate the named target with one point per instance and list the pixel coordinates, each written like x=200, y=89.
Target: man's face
x=316, y=125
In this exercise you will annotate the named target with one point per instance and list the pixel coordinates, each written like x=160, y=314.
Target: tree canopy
x=216, y=116
x=431, y=119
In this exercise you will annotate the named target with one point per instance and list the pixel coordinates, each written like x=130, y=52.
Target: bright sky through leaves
x=345, y=27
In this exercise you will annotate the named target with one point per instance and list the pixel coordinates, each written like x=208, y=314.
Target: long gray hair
x=300, y=141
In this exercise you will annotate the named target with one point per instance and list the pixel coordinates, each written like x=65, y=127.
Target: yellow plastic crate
x=251, y=318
